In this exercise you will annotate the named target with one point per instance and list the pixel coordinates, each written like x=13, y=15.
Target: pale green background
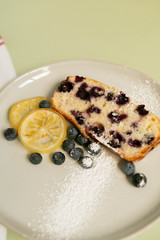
x=126, y=32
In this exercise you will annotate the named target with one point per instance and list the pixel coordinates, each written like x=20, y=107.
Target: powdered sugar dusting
x=94, y=146
x=145, y=92
x=69, y=211
x=87, y=162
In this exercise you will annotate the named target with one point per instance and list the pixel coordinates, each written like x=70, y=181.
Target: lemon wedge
x=22, y=108
x=42, y=130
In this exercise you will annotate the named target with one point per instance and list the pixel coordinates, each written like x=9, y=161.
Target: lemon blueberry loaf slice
x=106, y=114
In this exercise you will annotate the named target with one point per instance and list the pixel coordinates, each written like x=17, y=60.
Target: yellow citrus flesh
x=43, y=130
x=22, y=108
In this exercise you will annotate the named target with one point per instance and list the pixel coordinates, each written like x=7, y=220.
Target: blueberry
x=76, y=153
x=82, y=93
x=35, y=158
x=110, y=96
x=116, y=140
x=79, y=79
x=72, y=132
x=135, y=143
x=117, y=135
x=86, y=162
x=58, y=158
x=44, y=104
x=96, y=92
x=68, y=145
x=139, y=180
x=148, y=139
x=92, y=109
x=114, y=143
x=78, y=116
x=10, y=134
x=82, y=140
x=98, y=129
x=122, y=99
x=128, y=168
x=93, y=148
x=65, y=86
x=116, y=117
x=141, y=110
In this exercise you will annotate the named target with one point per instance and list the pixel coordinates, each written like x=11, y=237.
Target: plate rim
x=34, y=70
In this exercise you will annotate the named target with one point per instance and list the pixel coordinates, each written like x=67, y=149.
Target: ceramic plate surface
x=66, y=202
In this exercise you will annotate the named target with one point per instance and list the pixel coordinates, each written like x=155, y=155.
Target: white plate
x=46, y=201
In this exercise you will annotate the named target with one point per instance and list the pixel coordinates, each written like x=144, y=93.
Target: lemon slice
x=22, y=108
x=42, y=131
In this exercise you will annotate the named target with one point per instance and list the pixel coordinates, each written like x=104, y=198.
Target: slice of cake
x=106, y=114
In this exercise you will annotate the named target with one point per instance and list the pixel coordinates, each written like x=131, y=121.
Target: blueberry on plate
x=72, y=132
x=93, y=148
x=139, y=180
x=44, y=104
x=58, y=158
x=10, y=134
x=86, y=162
x=82, y=140
x=68, y=145
x=76, y=153
x=128, y=168
x=35, y=158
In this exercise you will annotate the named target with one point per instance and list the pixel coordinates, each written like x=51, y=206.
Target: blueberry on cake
x=108, y=116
